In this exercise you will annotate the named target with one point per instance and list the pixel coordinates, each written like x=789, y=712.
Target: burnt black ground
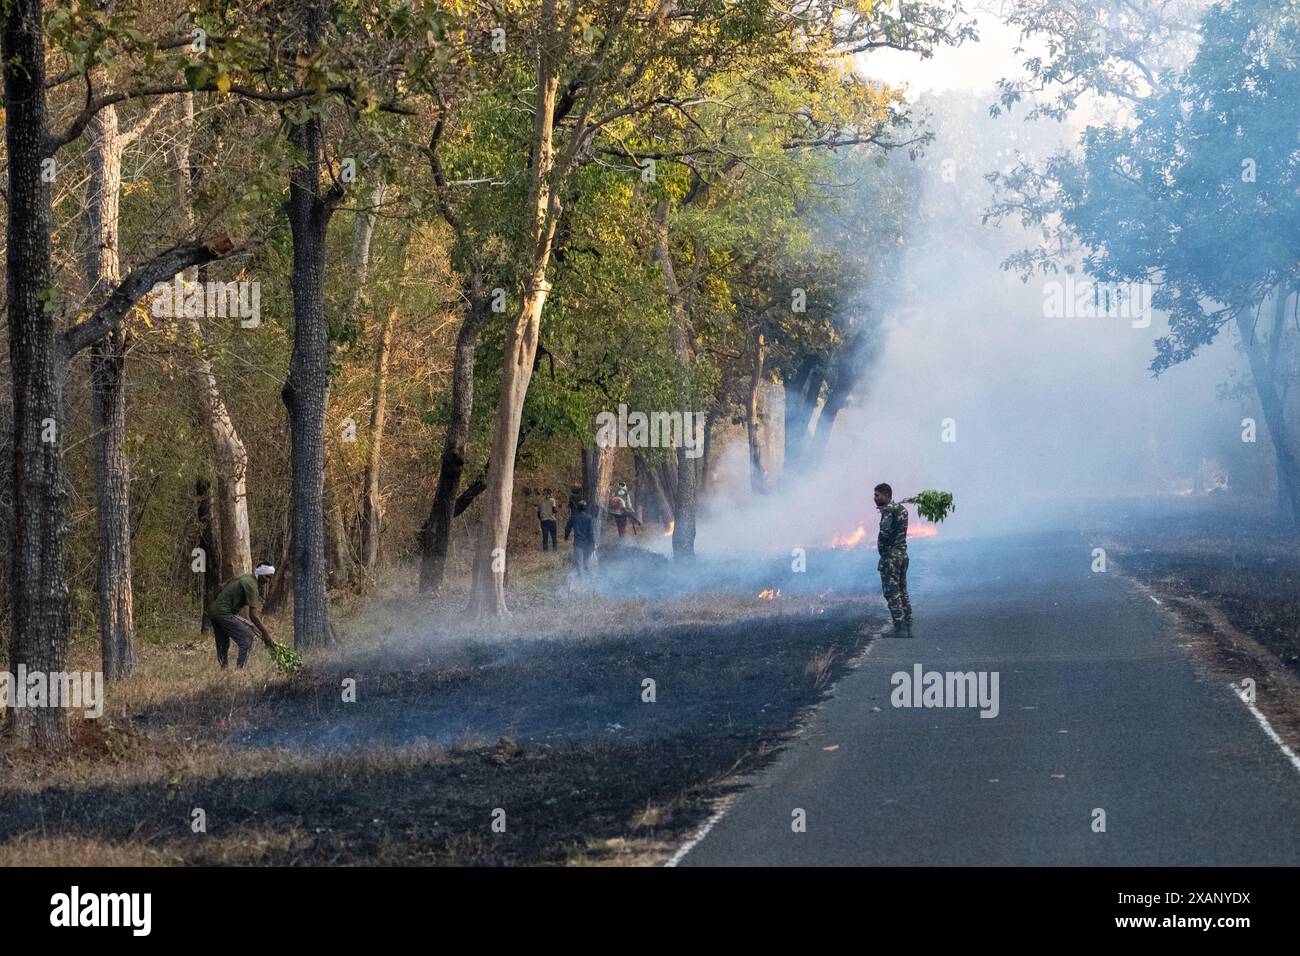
x=1099, y=708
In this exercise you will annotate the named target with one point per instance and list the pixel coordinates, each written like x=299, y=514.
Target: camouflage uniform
x=892, y=545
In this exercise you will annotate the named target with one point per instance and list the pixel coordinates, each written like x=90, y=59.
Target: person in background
x=622, y=516
x=584, y=536
x=546, y=512
x=227, y=625
x=626, y=495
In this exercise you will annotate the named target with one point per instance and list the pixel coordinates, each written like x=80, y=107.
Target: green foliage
x=1200, y=174
x=934, y=505
x=286, y=658
x=766, y=180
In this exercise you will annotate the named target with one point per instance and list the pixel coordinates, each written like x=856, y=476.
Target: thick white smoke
x=1042, y=409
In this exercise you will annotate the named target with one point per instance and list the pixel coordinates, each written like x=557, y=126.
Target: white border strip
x=1268, y=728
x=700, y=835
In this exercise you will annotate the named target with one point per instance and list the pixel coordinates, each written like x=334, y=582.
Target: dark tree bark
x=37, y=366
x=436, y=533
x=305, y=389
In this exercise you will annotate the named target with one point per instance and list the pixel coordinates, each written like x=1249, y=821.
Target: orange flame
x=770, y=594
x=915, y=529
x=669, y=532
x=849, y=540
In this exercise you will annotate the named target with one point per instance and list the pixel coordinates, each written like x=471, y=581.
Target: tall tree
x=305, y=389
x=38, y=354
x=229, y=456
x=102, y=269
x=547, y=174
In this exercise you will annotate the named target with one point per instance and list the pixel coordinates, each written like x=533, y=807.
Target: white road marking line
x=1268, y=728
x=693, y=841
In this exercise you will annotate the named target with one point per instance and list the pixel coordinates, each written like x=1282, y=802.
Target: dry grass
x=819, y=667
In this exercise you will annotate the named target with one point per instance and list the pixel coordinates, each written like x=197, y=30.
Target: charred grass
x=588, y=773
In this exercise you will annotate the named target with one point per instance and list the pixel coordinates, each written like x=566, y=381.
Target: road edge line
x=1267, y=727
x=694, y=841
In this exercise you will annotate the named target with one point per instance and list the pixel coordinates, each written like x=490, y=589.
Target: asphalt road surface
x=1099, y=708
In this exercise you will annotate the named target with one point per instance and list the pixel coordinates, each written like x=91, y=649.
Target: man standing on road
x=584, y=536
x=235, y=595
x=892, y=545
x=546, y=515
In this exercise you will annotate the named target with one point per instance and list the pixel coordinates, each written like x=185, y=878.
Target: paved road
x=1099, y=708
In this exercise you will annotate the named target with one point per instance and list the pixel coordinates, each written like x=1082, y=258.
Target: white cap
x=264, y=570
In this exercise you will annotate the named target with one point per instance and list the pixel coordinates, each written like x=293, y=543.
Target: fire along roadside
x=74, y=690
x=73, y=909
x=949, y=689
x=683, y=430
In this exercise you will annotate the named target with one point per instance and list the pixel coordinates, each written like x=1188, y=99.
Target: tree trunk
x=1287, y=490
x=706, y=460
x=372, y=506
x=210, y=542
x=757, y=474
x=435, y=536
x=372, y=515
x=602, y=481
x=684, y=500
x=666, y=473
x=102, y=269
x=846, y=365
x=487, y=589
x=229, y=457
x=1288, y=469
x=797, y=414
x=661, y=497
x=305, y=389
x=487, y=595
x=361, y=240
x=338, y=553
x=113, y=506
x=38, y=588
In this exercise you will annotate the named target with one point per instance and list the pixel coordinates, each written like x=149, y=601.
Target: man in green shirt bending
x=227, y=624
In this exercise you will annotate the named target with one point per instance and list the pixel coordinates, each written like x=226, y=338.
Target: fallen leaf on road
x=831, y=747
x=1058, y=776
